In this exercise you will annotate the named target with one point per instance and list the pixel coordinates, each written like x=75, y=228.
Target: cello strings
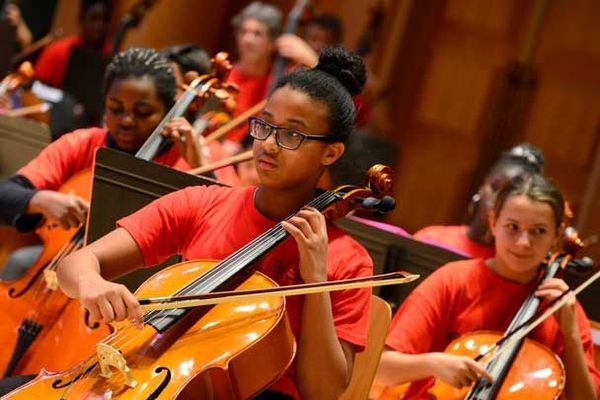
x=231, y=264
x=256, y=247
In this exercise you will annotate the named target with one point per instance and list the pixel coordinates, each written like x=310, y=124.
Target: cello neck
x=500, y=366
x=291, y=26
x=151, y=147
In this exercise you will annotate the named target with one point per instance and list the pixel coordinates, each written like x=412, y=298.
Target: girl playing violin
x=139, y=89
x=298, y=135
x=471, y=295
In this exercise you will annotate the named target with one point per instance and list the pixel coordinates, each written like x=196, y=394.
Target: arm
x=579, y=382
x=324, y=363
x=396, y=368
x=14, y=18
x=83, y=275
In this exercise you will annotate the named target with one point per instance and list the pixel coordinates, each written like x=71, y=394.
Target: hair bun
x=348, y=68
x=529, y=154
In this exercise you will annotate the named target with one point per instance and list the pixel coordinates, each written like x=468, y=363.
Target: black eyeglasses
x=287, y=138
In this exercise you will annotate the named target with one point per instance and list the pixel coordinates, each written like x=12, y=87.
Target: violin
x=25, y=103
x=207, y=351
x=40, y=321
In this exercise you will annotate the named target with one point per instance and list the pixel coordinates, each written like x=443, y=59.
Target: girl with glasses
x=298, y=135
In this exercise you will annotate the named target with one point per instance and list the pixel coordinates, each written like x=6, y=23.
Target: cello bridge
x=51, y=279
x=109, y=357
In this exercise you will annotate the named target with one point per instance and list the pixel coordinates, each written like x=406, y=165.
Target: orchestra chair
x=366, y=362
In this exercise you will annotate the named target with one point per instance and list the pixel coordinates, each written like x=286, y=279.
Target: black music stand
x=20, y=141
x=391, y=252
x=122, y=185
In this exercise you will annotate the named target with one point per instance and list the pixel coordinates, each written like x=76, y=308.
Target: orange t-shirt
x=213, y=222
x=74, y=152
x=467, y=296
x=453, y=238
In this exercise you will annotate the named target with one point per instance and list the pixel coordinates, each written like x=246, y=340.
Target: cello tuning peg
x=383, y=205
x=583, y=264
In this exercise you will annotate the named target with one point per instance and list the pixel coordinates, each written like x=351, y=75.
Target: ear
x=332, y=153
x=492, y=222
x=559, y=233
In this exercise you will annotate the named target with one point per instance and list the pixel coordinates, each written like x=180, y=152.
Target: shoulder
x=456, y=274
x=207, y=196
x=437, y=231
x=80, y=137
x=63, y=45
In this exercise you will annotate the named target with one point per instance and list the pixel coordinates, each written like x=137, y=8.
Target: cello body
x=537, y=373
x=39, y=321
x=234, y=351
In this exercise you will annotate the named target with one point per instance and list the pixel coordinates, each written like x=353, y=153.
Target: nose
x=523, y=239
x=270, y=143
x=127, y=120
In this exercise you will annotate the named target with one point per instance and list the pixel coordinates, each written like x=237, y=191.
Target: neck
x=254, y=67
x=278, y=204
x=498, y=266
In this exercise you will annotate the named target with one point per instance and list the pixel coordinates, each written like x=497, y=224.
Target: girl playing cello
x=478, y=294
x=139, y=89
x=298, y=135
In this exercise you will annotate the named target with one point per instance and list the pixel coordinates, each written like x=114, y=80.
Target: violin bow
x=238, y=158
x=526, y=327
x=167, y=303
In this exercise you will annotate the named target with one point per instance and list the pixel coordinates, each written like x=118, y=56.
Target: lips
x=266, y=163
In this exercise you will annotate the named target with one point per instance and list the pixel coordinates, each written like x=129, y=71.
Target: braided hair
x=139, y=62
x=339, y=75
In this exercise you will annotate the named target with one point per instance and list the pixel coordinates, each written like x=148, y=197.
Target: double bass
x=40, y=321
x=203, y=352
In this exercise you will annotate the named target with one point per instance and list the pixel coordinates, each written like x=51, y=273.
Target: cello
x=206, y=352
x=39, y=319
x=521, y=368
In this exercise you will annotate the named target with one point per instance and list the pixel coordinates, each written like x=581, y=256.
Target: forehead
x=134, y=89
x=287, y=104
x=527, y=211
x=252, y=24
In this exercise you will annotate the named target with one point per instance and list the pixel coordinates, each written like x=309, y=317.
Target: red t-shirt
x=253, y=89
x=74, y=152
x=213, y=222
x=51, y=65
x=454, y=238
x=467, y=296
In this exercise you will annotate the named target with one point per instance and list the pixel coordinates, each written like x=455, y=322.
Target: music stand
x=122, y=185
x=83, y=79
x=391, y=252
x=20, y=141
